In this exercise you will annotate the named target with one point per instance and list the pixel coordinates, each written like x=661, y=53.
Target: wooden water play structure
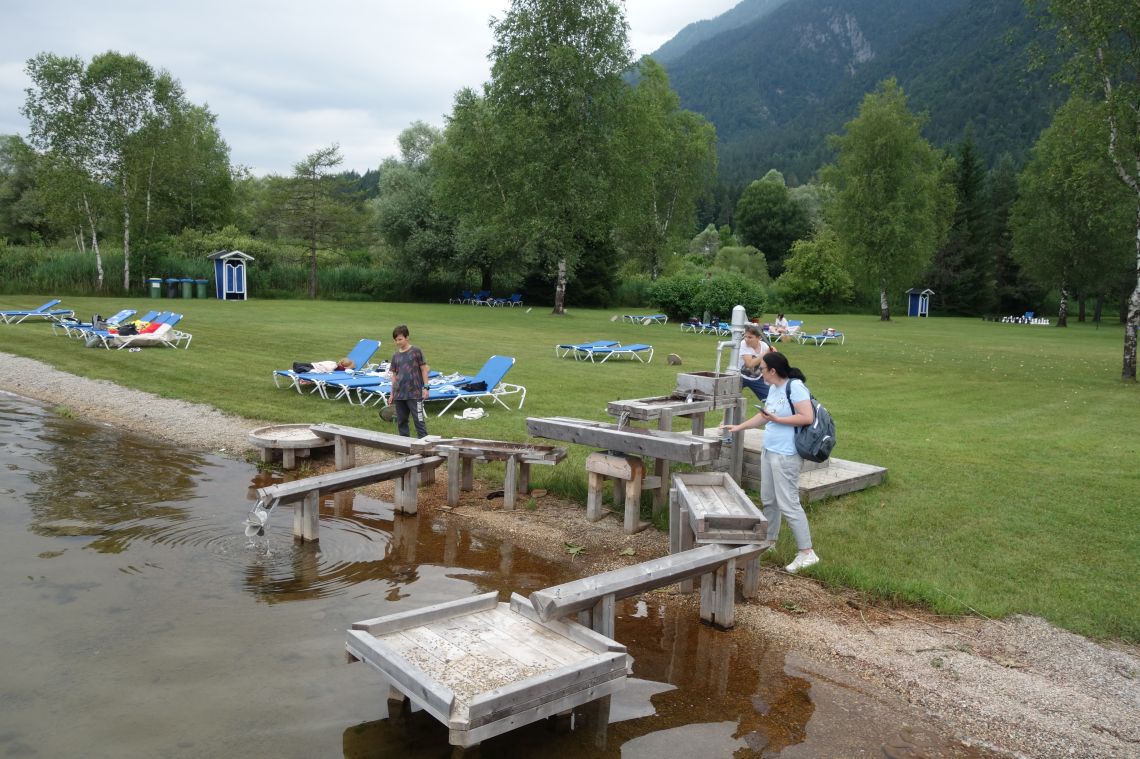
x=415, y=468
x=291, y=440
x=482, y=667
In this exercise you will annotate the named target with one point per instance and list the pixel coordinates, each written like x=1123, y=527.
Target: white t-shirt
x=746, y=350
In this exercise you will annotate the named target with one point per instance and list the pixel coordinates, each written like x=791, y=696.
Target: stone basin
x=291, y=439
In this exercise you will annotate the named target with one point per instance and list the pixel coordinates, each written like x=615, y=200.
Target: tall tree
x=1014, y=291
x=1070, y=222
x=961, y=273
x=769, y=219
x=97, y=118
x=666, y=159
x=472, y=168
x=555, y=84
x=317, y=207
x=408, y=215
x=893, y=202
x=1102, y=40
x=22, y=217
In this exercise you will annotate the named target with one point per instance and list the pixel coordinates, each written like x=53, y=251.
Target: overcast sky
x=286, y=77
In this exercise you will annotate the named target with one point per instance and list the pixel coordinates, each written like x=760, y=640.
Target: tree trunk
x=1128, y=372
x=485, y=278
x=313, y=270
x=126, y=240
x=94, y=245
x=884, y=307
x=560, y=289
x=1063, y=311
x=1081, y=308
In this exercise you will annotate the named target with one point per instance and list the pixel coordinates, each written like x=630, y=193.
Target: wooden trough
x=462, y=453
x=657, y=444
x=482, y=667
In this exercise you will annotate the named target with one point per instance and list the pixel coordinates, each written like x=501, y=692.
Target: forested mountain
x=741, y=14
x=776, y=87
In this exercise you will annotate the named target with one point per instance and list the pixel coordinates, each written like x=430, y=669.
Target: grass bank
x=1012, y=449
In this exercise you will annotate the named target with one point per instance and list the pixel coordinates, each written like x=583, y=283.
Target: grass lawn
x=1012, y=450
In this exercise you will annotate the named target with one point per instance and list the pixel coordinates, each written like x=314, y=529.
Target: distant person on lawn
x=409, y=373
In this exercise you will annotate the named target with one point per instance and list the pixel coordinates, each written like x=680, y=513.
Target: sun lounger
x=637, y=351
x=15, y=316
x=360, y=355
x=646, y=319
x=486, y=385
x=580, y=349
x=821, y=339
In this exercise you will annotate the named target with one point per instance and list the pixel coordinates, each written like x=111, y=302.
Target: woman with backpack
x=787, y=407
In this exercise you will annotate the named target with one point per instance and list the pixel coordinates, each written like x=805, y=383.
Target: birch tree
x=1102, y=42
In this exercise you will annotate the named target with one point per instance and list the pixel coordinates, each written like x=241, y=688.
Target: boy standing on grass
x=409, y=373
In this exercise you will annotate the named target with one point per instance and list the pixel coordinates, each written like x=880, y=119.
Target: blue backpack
x=814, y=441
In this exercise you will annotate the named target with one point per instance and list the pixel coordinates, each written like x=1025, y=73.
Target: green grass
x=1012, y=450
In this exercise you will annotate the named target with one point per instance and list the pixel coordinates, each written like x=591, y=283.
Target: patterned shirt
x=408, y=379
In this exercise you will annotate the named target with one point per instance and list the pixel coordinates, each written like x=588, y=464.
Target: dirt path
x=1017, y=686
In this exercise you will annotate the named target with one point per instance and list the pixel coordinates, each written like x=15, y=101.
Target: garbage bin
x=187, y=287
x=154, y=286
x=171, y=287
x=200, y=286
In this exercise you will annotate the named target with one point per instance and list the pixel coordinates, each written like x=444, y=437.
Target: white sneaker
x=801, y=561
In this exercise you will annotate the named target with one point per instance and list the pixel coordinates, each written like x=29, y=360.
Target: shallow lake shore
x=1017, y=687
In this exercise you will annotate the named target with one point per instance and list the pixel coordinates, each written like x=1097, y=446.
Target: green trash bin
x=187, y=287
x=154, y=287
x=200, y=287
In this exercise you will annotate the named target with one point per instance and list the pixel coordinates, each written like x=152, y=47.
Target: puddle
x=139, y=622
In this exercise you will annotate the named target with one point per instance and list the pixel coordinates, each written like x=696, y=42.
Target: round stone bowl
x=292, y=440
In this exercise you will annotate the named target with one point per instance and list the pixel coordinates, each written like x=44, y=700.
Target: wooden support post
x=467, y=465
x=737, y=466
x=685, y=540
x=309, y=522
x=427, y=474
x=452, y=479
x=751, y=587
x=594, y=497
x=266, y=455
x=699, y=423
x=633, y=521
x=602, y=616
x=407, y=486
x=524, y=478
x=717, y=601
x=344, y=453
x=619, y=491
x=661, y=466
x=288, y=458
x=510, y=483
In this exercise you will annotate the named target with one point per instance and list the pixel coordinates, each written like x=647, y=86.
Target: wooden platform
x=817, y=481
x=482, y=667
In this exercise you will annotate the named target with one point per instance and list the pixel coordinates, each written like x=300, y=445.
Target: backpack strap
x=788, y=392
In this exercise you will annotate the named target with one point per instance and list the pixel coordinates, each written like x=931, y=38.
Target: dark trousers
x=756, y=385
x=414, y=409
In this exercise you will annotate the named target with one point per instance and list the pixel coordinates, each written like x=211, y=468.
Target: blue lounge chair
x=486, y=385
x=637, y=351
x=105, y=336
x=579, y=349
x=821, y=339
x=73, y=328
x=646, y=318
x=360, y=355
x=462, y=297
x=159, y=332
x=45, y=311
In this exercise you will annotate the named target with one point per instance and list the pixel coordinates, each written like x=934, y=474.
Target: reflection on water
x=140, y=621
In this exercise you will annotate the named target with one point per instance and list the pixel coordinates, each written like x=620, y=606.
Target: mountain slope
x=741, y=14
x=777, y=87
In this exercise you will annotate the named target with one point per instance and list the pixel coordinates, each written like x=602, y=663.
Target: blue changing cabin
x=229, y=274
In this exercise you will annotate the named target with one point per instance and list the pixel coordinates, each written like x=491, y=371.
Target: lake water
x=138, y=621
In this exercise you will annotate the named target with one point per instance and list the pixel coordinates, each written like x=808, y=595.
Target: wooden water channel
x=482, y=667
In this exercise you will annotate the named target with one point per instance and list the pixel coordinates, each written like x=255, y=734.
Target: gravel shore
x=1018, y=687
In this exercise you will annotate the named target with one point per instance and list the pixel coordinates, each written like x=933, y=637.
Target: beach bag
x=815, y=441
x=301, y=368
x=128, y=329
